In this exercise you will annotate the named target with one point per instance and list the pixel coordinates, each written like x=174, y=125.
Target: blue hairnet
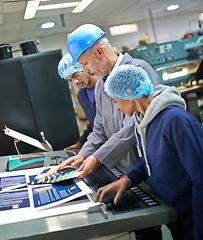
x=65, y=67
x=128, y=82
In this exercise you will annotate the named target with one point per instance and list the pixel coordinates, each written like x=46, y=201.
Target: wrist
x=127, y=179
x=79, y=144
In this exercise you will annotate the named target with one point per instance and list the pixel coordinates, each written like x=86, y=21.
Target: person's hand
x=119, y=187
x=89, y=166
x=72, y=161
x=77, y=145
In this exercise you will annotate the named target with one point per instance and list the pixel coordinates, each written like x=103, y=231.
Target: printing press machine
x=142, y=209
x=176, y=64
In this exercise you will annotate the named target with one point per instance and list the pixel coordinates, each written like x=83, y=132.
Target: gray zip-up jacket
x=112, y=139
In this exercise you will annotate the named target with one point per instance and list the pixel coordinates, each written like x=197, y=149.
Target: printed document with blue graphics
x=31, y=201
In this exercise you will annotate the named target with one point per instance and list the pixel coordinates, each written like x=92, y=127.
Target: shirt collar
x=120, y=57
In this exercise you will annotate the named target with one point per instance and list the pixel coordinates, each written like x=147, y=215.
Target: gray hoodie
x=112, y=140
x=164, y=98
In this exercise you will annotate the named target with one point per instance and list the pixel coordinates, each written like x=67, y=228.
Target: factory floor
x=166, y=233
x=131, y=236
x=82, y=125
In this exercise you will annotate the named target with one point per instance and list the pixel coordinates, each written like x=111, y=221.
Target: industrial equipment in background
x=176, y=64
x=35, y=99
x=5, y=51
x=29, y=47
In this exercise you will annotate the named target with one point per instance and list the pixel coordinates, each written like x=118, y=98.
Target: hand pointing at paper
x=88, y=165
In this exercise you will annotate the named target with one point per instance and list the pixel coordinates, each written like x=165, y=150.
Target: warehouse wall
x=166, y=29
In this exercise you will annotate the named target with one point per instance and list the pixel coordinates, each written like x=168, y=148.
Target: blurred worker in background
x=199, y=72
x=200, y=43
x=86, y=97
x=171, y=150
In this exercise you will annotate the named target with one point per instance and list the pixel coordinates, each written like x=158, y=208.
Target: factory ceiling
x=104, y=13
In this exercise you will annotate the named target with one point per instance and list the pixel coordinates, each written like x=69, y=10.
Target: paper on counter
x=14, y=211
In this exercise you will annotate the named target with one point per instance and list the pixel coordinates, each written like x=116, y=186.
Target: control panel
x=156, y=54
x=132, y=199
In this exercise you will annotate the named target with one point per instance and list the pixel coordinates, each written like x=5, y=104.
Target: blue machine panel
x=175, y=62
x=156, y=54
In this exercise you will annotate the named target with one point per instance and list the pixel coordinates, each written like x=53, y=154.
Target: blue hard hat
x=82, y=38
x=65, y=67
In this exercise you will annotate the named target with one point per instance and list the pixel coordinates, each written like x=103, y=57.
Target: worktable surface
x=84, y=225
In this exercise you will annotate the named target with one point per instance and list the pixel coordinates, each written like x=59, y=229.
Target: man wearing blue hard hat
x=112, y=140
x=86, y=97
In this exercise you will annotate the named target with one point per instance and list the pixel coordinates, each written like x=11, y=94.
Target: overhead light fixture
x=172, y=7
x=82, y=5
x=10, y=1
x=123, y=29
x=48, y=25
x=31, y=9
x=57, y=6
x=201, y=17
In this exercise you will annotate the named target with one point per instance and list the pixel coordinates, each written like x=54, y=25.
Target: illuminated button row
x=144, y=197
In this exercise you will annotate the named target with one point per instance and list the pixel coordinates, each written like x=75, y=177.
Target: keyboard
x=134, y=198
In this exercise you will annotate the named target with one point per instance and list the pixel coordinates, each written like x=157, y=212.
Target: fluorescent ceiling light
x=172, y=7
x=201, y=17
x=31, y=9
x=57, y=6
x=48, y=25
x=123, y=29
x=82, y=5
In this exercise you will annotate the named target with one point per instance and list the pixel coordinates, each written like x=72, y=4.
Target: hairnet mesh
x=128, y=82
x=65, y=67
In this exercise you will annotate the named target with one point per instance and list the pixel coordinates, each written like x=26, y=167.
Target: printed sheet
x=31, y=201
